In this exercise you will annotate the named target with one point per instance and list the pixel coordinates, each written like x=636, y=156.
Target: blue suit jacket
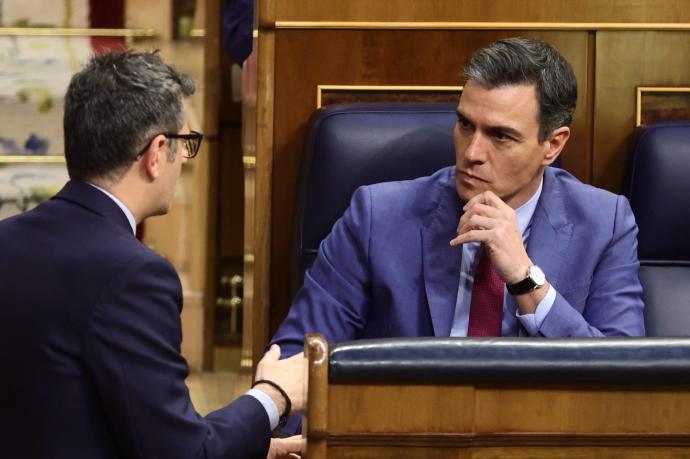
x=90, y=340
x=387, y=268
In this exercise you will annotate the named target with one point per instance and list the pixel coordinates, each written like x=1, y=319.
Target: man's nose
x=476, y=149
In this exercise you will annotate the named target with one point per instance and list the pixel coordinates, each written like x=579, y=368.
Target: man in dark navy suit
x=89, y=317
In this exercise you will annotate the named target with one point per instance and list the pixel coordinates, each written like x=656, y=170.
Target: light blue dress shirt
x=470, y=252
x=262, y=397
x=128, y=213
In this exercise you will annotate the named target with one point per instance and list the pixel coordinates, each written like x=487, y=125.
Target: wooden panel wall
x=471, y=10
x=624, y=61
x=304, y=43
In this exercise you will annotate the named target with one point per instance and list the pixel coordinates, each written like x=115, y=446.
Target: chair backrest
x=351, y=145
x=659, y=192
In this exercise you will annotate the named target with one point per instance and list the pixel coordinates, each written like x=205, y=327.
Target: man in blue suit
x=89, y=317
x=501, y=244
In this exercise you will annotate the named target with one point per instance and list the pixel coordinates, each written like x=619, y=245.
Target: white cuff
x=268, y=404
x=532, y=322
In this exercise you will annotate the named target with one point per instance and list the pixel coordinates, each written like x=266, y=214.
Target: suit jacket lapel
x=441, y=262
x=551, y=230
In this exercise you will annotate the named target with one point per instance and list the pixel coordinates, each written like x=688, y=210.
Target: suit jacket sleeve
x=613, y=298
x=335, y=297
x=132, y=350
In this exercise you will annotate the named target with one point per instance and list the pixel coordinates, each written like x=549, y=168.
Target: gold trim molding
x=331, y=87
x=77, y=32
x=48, y=159
x=249, y=161
x=483, y=25
x=646, y=89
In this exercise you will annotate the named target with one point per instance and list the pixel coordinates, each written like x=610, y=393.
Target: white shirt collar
x=128, y=213
x=525, y=212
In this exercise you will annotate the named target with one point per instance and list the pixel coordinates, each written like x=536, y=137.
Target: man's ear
x=554, y=144
x=150, y=160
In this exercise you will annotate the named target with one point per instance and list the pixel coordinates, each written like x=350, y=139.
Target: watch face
x=537, y=275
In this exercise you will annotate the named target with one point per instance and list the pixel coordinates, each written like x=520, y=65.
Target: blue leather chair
x=351, y=145
x=659, y=193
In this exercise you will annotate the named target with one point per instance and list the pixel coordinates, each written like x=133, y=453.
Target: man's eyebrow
x=507, y=130
x=462, y=115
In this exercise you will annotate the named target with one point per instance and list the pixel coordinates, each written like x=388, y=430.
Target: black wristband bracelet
x=288, y=403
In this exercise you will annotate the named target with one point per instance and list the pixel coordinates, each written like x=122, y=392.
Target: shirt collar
x=525, y=212
x=128, y=213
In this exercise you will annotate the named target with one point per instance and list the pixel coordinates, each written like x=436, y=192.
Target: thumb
x=293, y=444
x=273, y=354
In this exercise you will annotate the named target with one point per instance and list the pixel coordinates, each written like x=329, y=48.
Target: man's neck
x=125, y=192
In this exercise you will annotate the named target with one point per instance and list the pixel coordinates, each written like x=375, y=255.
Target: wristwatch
x=534, y=280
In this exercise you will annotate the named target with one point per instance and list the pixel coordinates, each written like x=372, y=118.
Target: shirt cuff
x=268, y=404
x=532, y=322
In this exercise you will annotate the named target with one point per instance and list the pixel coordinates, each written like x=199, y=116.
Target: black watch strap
x=535, y=279
x=521, y=287
x=288, y=403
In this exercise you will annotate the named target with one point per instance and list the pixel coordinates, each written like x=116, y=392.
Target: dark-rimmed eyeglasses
x=192, y=142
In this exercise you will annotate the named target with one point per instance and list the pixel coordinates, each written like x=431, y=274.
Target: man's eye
x=501, y=136
x=463, y=123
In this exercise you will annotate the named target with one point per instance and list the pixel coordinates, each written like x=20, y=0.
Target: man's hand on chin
x=284, y=448
x=489, y=220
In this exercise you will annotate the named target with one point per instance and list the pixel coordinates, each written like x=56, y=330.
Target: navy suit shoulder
x=90, y=325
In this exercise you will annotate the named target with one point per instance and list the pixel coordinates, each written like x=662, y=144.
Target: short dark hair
x=522, y=60
x=114, y=105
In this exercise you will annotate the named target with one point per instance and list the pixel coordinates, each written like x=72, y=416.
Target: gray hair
x=522, y=60
x=115, y=106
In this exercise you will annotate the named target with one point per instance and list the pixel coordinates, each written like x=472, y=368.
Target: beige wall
x=156, y=14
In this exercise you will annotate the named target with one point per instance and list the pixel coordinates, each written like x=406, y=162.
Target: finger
x=477, y=209
x=488, y=198
x=294, y=444
x=297, y=356
x=481, y=198
x=471, y=236
x=273, y=354
x=480, y=210
x=492, y=200
x=478, y=222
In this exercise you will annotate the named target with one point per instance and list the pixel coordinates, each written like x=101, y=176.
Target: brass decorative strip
x=255, y=33
x=647, y=89
x=249, y=258
x=249, y=161
x=197, y=33
x=482, y=25
x=331, y=87
x=77, y=32
x=49, y=159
